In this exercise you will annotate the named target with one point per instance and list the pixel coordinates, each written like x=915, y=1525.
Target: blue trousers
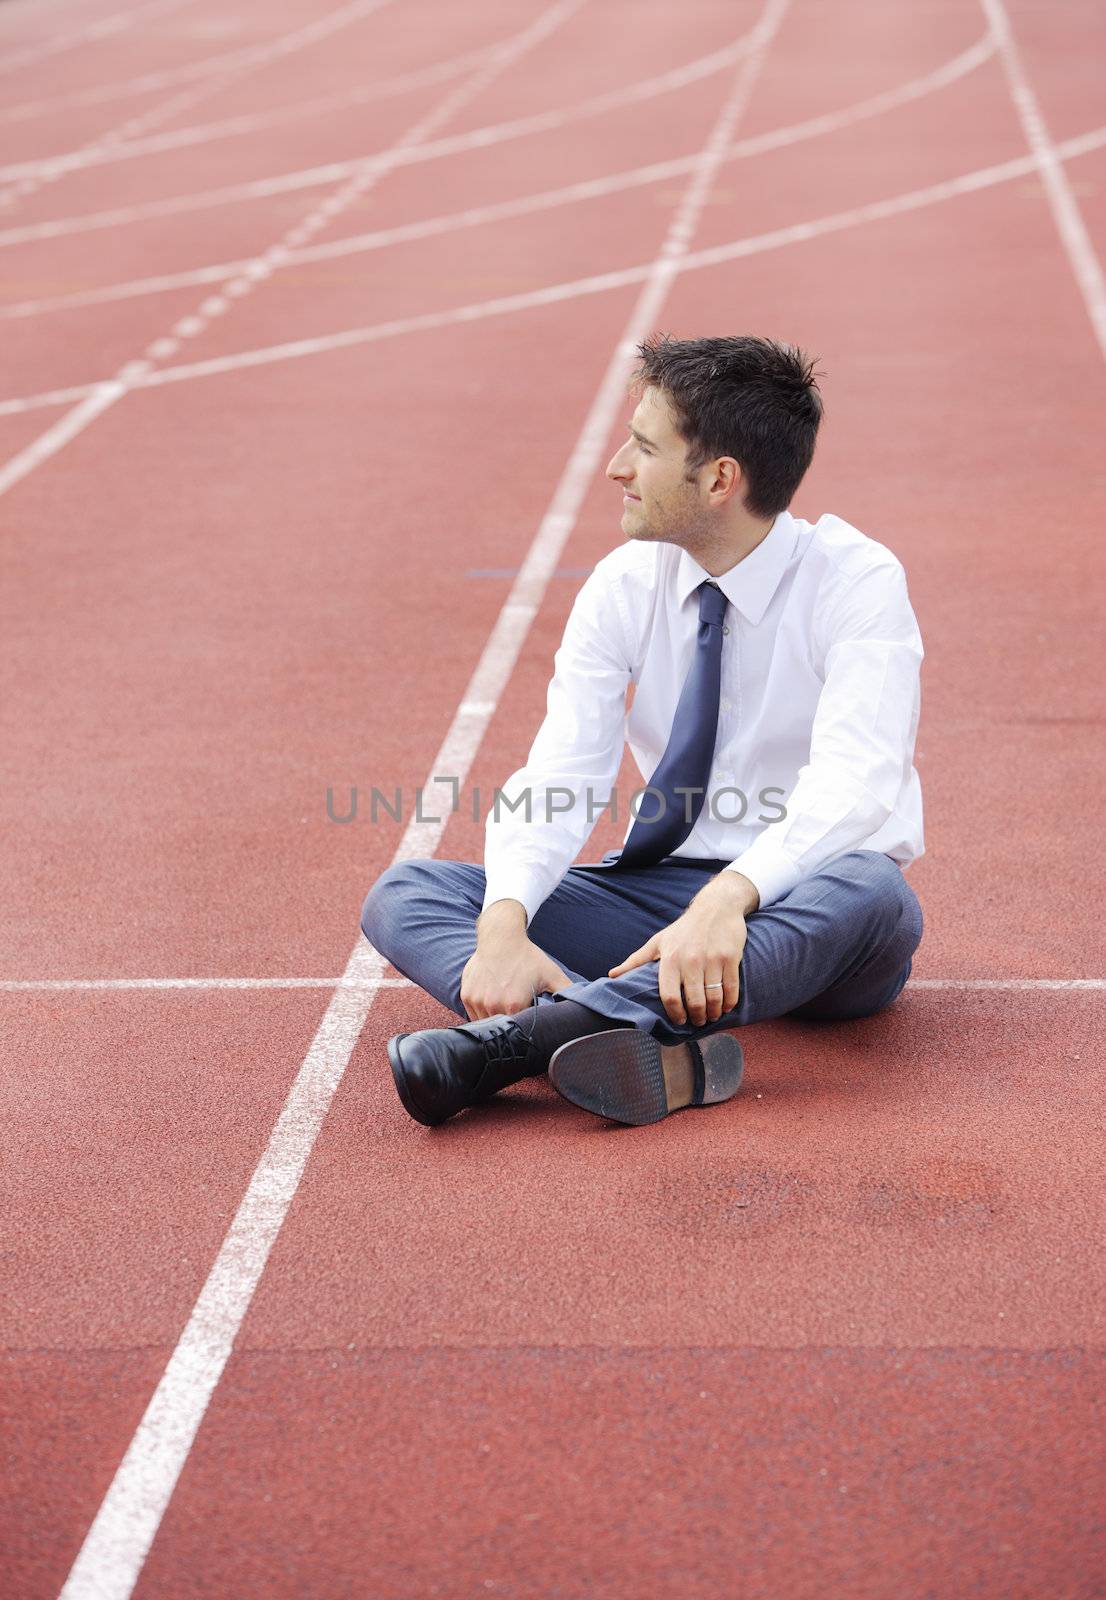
x=839, y=945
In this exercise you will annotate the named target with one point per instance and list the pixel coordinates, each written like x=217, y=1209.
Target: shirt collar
x=751, y=583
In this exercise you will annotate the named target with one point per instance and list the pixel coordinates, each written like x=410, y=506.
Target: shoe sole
x=627, y=1076
x=400, y=1076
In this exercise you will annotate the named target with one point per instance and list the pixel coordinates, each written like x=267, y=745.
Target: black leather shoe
x=442, y=1070
x=627, y=1076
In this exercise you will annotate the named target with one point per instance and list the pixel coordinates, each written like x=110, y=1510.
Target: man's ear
x=726, y=480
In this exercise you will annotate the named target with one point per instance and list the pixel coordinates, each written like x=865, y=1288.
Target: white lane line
x=56, y=437
x=1066, y=984
x=1065, y=209
x=134, y=373
x=256, y=121
x=48, y=171
x=779, y=238
x=149, y=82
x=62, y=985
x=525, y=205
x=315, y=177
x=250, y=122
x=116, y=985
x=48, y=397
x=105, y=28
x=963, y=63
x=600, y=283
x=115, y=1549
x=228, y=61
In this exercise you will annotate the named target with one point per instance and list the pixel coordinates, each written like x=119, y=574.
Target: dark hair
x=752, y=399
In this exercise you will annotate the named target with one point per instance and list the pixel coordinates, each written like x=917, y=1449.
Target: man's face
x=658, y=500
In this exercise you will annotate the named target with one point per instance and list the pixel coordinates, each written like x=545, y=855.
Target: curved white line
x=46, y=399
x=255, y=121
x=114, y=1551
x=115, y=138
x=757, y=244
x=476, y=139
x=498, y=211
x=179, y=138
x=106, y=27
x=503, y=56
x=226, y=61
x=1066, y=214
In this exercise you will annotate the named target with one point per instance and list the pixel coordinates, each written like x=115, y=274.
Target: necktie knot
x=712, y=604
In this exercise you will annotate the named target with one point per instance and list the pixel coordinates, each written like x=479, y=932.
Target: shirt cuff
x=768, y=866
x=515, y=883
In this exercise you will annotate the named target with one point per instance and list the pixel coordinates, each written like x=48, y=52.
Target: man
x=775, y=666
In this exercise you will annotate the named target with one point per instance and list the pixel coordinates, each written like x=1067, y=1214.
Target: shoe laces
x=502, y=1042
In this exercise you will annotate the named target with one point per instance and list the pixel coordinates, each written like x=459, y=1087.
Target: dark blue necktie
x=662, y=826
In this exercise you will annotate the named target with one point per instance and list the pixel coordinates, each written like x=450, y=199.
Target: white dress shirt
x=817, y=717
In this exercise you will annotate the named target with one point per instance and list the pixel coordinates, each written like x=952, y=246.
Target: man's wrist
x=502, y=919
x=740, y=892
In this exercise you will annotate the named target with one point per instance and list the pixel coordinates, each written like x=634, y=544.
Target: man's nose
x=616, y=473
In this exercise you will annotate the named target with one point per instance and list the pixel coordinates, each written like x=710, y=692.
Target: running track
x=314, y=333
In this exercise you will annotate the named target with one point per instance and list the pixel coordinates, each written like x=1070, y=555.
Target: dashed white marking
x=600, y=283
x=105, y=395
x=316, y=177
x=587, y=189
x=53, y=168
x=114, y=1552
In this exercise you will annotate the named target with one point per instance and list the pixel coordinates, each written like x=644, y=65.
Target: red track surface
x=843, y=1336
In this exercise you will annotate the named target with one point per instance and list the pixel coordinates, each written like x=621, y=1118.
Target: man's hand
x=703, y=946
x=506, y=970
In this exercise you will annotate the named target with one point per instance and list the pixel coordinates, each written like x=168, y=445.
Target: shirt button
x=725, y=705
x=726, y=628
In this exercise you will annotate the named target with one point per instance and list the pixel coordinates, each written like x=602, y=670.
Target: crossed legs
x=840, y=945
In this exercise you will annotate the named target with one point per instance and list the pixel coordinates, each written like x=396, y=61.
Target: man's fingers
x=695, y=996
x=722, y=989
x=714, y=991
x=668, y=985
x=479, y=1010
x=640, y=956
x=731, y=986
